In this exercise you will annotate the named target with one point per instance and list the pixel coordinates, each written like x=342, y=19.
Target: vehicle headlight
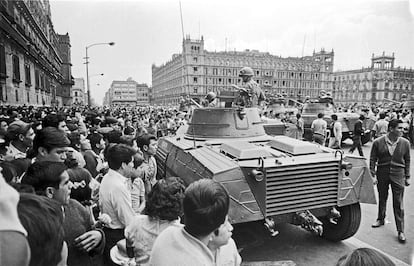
x=257, y=174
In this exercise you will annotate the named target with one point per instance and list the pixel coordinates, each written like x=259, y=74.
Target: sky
x=148, y=32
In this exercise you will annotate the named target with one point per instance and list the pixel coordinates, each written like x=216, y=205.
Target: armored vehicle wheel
x=347, y=225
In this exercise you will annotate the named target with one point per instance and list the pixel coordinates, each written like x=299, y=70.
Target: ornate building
x=379, y=83
x=33, y=71
x=127, y=93
x=63, y=89
x=196, y=71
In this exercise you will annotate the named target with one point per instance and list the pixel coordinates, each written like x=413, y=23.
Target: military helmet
x=211, y=96
x=246, y=71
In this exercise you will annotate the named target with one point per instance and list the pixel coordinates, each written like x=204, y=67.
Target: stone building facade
x=127, y=93
x=63, y=89
x=30, y=61
x=195, y=72
x=380, y=84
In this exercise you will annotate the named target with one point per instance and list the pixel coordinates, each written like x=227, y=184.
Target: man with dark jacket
x=391, y=156
x=356, y=138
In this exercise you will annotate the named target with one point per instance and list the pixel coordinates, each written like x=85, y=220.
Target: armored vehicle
x=274, y=179
x=310, y=111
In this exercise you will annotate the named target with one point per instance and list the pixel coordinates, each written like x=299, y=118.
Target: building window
x=28, y=97
x=28, y=78
x=37, y=79
x=195, y=69
x=17, y=96
x=3, y=71
x=16, y=69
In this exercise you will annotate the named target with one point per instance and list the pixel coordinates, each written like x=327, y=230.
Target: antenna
x=182, y=23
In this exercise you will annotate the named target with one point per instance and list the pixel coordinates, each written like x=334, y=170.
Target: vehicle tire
x=347, y=225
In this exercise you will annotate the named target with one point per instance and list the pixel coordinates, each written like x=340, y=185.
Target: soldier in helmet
x=253, y=89
x=210, y=100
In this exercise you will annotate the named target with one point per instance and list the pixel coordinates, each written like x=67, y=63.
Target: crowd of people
x=79, y=186
x=89, y=193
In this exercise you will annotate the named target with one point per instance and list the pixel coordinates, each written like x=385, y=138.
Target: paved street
x=299, y=247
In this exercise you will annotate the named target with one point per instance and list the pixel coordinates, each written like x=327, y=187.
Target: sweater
x=78, y=221
x=381, y=157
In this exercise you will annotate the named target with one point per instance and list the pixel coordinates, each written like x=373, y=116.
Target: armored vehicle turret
x=274, y=179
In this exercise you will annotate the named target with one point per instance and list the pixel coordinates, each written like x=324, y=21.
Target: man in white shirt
x=114, y=196
x=148, y=145
x=319, y=129
x=380, y=127
x=336, y=133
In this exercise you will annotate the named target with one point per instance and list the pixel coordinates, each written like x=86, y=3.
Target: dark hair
x=382, y=115
x=145, y=139
x=394, y=123
x=42, y=175
x=320, y=115
x=129, y=130
x=74, y=138
x=334, y=117
x=113, y=136
x=127, y=140
x=50, y=138
x=43, y=220
x=365, y=257
x=21, y=165
x=80, y=177
x=9, y=171
x=118, y=154
x=206, y=204
x=298, y=115
x=95, y=138
x=362, y=117
x=23, y=188
x=53, y=120
x=165, y=200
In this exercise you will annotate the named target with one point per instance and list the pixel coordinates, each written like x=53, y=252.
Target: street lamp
x=87, y=63
x=94, y=75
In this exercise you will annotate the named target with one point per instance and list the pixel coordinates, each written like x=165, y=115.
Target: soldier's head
x=246, y=73
x=210, y=96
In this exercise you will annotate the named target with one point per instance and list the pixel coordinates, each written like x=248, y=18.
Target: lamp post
x=87, y=63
